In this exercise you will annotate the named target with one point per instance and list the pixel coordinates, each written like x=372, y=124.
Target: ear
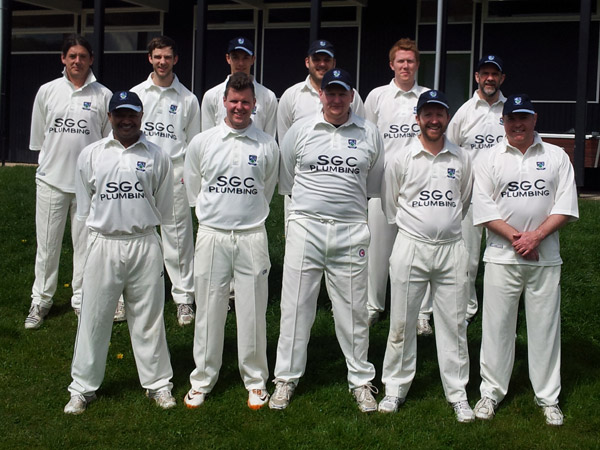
x=306, y=60
x=175, y=59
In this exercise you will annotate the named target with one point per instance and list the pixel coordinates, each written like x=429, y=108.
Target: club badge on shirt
x=252, y=160
x=141, y=166
x=352, y=143
x=173, y=109
x=87, y=106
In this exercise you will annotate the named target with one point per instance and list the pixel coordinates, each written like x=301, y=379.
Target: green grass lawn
x=35, y=367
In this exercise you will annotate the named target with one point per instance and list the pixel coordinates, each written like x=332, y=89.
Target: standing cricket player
x=171, y=120
x=426, y=191
x=302, y=99
x=124, y=191
x=68, y=114
x=240, y=57
x=476, y=127
x=231, y=173
x=392, y=108
x=330, y=166
x=524, y=192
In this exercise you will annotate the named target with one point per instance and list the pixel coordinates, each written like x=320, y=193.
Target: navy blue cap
x=321, y=46
x=518, y=104
x=432, y=97
x=241, y=43
x=337, y=76
x=125, y=100
x=491, y=59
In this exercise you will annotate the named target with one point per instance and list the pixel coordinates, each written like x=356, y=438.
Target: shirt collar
x=249, y=132
x=417, y=149
x=175, y=85
x=353, y=119
x=142, y=141
x=413, y=91
x=89, y=80
x=479, y=101
x=537, y=144
x=307, y=86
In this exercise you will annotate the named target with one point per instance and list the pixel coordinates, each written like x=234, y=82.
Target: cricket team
x=393, y=187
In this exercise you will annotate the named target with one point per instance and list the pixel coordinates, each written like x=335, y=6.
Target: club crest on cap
x=123, y=95
x=433, y=94
x=322, y=43
x=518, y=100
x=491, y=57
x=240, y=40
x=336, y=73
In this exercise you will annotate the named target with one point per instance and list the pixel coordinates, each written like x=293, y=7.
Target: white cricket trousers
x=383, y=236
x=413, y=265
x=222, y=256
x=472, y=237
x=178, y=242
x=339, y=250
x=130, y=265
x=52, y=207
x=502, y=289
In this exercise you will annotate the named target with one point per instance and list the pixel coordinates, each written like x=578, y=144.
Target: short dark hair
x=240, y=81
x=75, y=39
x=162, y=42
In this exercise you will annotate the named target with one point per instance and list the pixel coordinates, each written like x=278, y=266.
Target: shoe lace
x=282, y=390
x=553, y=411
x=463, y=405
x=185, y=310
x=364, y=391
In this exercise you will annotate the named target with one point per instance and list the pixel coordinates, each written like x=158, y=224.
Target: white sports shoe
x=424, y=328
x=185, y=314
x=36, y=316
x=120, y=312
x=364, y=397
x=463, y=411
x=163, y=398
x=281, y=395
x=78, y=403
x=257, y=398
x=390, y=404
x=485, y=408
x=553, y=415
x=194, y=399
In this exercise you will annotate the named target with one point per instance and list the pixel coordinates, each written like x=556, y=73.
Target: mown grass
x=35, y=365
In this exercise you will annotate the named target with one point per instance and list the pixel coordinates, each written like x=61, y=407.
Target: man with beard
x=302, y=99
x=425, y=192
x=476, y=127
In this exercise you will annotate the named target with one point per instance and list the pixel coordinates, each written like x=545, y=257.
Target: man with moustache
x=231, y=171
x=476, y=127
x=68, y=114
x=171, y=119
x=329, y=165
x=392, y=108
x=425, y=192
x=240, y=57
x=524, y=193
x=124, y=191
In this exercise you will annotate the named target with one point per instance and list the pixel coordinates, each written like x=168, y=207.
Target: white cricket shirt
x=264, y=115
x=64, y=120
x=171, y=115
x=301, y=101
x=427, y=196
x=231, y=175
x=123, y=191
x=330, y=172
x=523, y=190
x=393, y=111
x=477, y=126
